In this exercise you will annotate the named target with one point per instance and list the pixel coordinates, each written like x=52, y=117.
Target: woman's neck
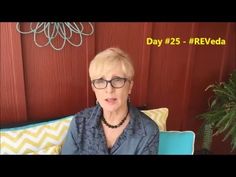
x=116, y=116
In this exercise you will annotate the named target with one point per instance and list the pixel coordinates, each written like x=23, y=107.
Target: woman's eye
x=99, y=81
x=116, y=80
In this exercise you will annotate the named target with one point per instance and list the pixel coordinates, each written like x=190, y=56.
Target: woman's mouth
x=111, y=100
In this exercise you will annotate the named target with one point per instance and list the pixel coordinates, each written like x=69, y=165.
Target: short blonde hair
x=109, y=59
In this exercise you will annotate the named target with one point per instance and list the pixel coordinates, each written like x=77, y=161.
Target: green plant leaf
x=224, y=93
x=233, y=142
x=221, y=117
x=229, y=132
x=226, y=120
x=213, y=104
x=225, y=123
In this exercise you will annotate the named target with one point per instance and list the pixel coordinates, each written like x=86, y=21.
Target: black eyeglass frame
x=110, y=81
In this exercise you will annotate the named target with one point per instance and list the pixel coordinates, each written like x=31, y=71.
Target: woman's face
x=113, y=99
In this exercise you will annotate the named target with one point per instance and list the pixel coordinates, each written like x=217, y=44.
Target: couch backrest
x=47, y=137
x=176, y=143
x=38, y=138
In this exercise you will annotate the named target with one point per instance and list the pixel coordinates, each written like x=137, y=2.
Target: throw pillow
x=176, y=143
x=159, y=116
x=35, y=138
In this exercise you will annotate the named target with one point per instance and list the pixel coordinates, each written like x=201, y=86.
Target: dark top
x=86, y=135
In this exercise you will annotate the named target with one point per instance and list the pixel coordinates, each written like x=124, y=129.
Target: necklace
x=118, y=125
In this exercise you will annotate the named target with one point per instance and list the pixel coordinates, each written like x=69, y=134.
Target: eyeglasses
x=115, y=83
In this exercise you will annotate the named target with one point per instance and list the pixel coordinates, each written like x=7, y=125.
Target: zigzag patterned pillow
x=47, y=137
x=51, y=150
x=39, y=138
x=159, y=116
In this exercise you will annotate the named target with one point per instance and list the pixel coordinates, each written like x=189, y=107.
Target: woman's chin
x=110, y=108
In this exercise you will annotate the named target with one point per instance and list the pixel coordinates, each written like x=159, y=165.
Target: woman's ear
x=92, y=87
x=131, y=86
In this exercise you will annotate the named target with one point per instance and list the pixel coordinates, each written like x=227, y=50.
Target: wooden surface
x=42, y=84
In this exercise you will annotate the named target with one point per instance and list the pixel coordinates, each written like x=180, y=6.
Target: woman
x=113, y=126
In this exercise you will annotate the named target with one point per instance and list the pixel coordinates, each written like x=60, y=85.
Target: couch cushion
x=159, y=115
x=38, y=138
x=47, y=137
x=176, y=143
x=51, y=150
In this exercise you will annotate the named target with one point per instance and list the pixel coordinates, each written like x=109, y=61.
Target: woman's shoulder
x=148, y=121
x=148, y=124
x=85, y=113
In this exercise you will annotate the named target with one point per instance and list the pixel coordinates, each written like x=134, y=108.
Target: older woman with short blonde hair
x=113, y=126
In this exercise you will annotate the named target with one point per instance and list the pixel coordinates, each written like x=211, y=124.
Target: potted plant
x=221, y=116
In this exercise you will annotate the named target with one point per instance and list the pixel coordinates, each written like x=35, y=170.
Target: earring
x=97, y=102
x=129, y=100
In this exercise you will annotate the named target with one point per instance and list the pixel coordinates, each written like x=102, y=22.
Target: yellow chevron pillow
x=40, y=138
x=51, y=150
x=159, y=116
x=47, y=137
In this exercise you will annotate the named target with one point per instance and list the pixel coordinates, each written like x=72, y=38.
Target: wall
x=41, y=83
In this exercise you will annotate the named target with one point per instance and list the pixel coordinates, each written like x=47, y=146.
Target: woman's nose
x=109, y=88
